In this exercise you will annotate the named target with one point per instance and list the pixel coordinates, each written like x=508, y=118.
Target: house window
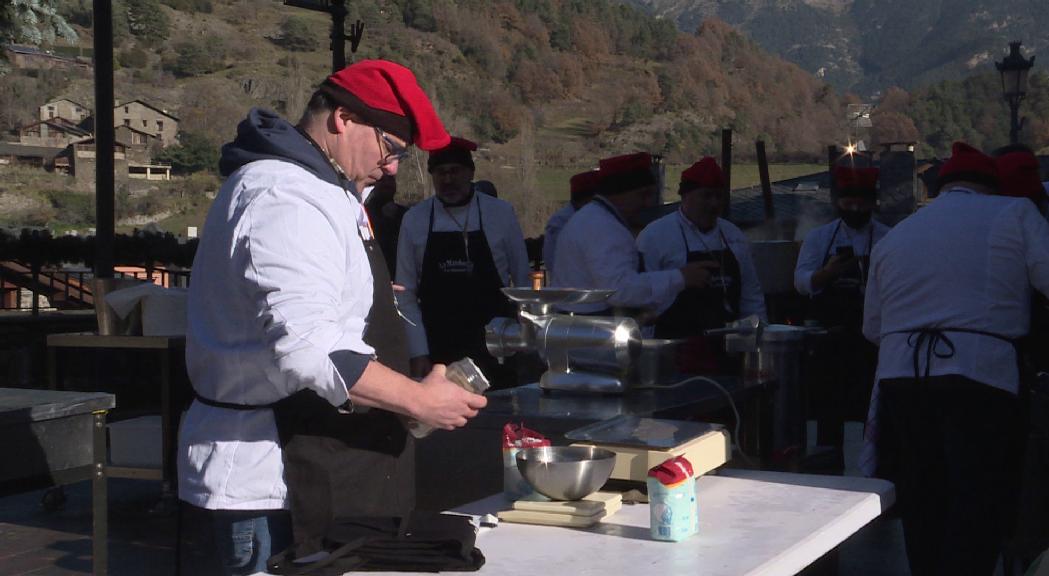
x=127, y=122
x=126, y=111
x=160, y=125
x=144, y=124
x=50, y=111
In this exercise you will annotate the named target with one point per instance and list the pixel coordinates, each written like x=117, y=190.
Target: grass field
x=553, y=182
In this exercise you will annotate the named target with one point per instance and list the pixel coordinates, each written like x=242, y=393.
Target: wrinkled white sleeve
x=613, y=262
x=409, y=268
x=516, y=251
x=1036, y=248
x=810, y=260
x=295, y=271
x=752, y=298
x=872, y=299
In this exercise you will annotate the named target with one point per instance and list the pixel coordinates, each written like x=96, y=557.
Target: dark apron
x=841, y=303
x=346, y=465
x=459, y=294
x=699, y=309
x=846, y=360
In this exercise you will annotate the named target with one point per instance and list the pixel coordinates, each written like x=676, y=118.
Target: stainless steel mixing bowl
x=566, y=472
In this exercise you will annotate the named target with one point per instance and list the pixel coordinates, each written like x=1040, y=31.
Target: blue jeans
x=231, y=542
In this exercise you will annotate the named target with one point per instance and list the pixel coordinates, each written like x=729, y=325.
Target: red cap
x=703, y=174
x=672, y=472
x=968, y=163
x=850, y=181
x=1021, y=175
x=388, y=96
x=585, y=182
x=627, y=172
x=458, y=151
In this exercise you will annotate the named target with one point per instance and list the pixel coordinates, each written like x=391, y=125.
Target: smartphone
x=845, y=251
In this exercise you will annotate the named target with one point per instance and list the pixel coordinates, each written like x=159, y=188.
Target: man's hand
x=697, y=274
x=443, y=404
x=836, y=266
x=420, y=366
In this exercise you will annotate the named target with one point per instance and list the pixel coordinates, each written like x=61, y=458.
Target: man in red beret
x=582, y=188
x=949, y=294
x=1021, y=174
x=696, y=233
x=597, y=250
x=832, y=271
x=291, y=325
x=456, y=252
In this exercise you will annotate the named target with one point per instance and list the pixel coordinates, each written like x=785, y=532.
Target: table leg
x=99, y=504
x=167, y=405
x=52, y=368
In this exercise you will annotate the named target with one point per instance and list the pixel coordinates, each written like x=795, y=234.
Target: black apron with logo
x=698, y=309
x=460, y=291
x=339, y=464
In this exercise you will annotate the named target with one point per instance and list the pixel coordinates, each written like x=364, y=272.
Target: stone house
x=75, y=112
x=29, y=57
x=149, y=119
x=56, y=132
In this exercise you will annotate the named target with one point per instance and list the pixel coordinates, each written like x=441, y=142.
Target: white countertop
x=751, y=523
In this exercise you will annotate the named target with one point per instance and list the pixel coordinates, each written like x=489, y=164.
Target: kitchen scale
x=643, y=443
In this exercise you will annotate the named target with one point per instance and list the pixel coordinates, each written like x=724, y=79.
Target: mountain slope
x=869, y=45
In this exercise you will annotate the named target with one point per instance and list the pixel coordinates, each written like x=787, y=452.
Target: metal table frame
x=166, y=346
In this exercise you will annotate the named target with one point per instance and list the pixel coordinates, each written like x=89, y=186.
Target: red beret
x=850, y=181
x=388, y=96
x=585, y=182
x=1020, y=175
x=969, y=164
x=458, y=151
x=703, y=174
x=627, y=172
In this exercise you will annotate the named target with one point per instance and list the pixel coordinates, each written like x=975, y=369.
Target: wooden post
x=766, y=184
x=726, y=167
x=104, y=139
x=832, y=160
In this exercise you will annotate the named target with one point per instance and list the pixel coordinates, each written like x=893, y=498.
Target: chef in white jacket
x=832, y=272
x=291, y=325
x=456, y=251
x=949, y=294
x=597, y=249
x=583, y=187
x=696, y=233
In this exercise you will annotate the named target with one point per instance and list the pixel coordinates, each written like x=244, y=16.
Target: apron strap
x=932, y=338
x=230, y=405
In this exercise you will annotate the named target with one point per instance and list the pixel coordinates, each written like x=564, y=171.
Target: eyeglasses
x=394, y=151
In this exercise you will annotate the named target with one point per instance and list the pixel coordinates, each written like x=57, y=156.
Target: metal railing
x=23, y=289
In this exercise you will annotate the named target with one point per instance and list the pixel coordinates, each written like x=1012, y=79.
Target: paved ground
x=36, y=542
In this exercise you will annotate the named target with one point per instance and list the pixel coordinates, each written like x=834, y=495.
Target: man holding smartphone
x=832, y=272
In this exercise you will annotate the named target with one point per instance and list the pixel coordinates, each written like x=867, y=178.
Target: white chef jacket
x=967, y=260
x=662, y=248
x=597, y=251
x=501, y=229
x=553, y=229
x=818, y=242
x=280, y=280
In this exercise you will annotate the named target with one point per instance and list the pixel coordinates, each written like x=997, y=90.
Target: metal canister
x=538, y=279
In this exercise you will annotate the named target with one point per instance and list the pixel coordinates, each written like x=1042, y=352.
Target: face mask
x=855, y=219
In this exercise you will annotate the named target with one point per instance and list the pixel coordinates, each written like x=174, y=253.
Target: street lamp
x=1014, y=69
